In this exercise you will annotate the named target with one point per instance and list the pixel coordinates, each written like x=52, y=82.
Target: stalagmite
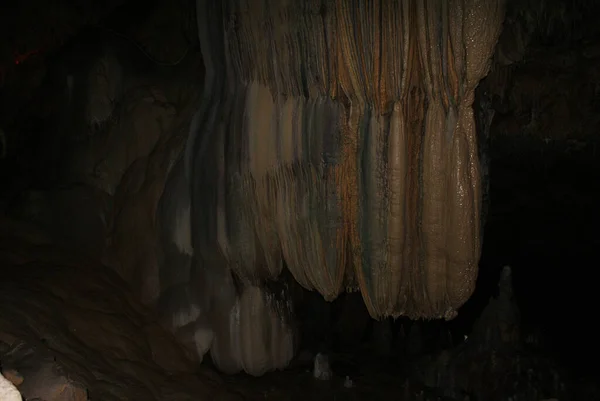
x=336, y=139
x=252, y=337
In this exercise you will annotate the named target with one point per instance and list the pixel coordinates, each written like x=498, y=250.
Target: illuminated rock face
x=8, y=391
x=336, y=139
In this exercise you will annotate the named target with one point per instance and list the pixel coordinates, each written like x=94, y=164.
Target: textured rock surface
x=67, y=324
x=39, y=376
x=8, y=391
x=345, y=141
x=338, y=146
x=535, y=96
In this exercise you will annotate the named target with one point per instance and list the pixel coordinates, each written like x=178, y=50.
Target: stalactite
x=358, y=148
x=335, y=138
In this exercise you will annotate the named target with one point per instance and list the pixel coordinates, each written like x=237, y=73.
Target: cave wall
x=70, y=328
x=89, y=151
x=544, y=174
x=126, y=134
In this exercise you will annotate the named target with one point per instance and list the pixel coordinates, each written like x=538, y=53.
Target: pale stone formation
x=336, y=139
x=253, y=337
x=344, y=140
x=321, y=368
x=8, y=391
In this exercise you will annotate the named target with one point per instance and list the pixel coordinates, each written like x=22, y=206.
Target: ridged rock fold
x=343, y=140
x=334, y=139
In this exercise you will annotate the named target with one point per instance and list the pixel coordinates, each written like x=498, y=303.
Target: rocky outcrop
x=336, y=141
x=345, y=144
x=332, y=141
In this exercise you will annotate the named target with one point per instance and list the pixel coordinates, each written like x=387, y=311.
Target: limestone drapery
x=243, y=326
x=336, y=139
x=345, y=138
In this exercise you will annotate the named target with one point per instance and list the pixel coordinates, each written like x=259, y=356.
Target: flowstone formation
x=335, y=139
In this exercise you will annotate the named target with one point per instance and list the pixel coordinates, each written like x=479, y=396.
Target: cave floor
x=299, y=384
x=373, y=380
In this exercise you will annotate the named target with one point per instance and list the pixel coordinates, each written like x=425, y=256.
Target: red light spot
x=19, y=58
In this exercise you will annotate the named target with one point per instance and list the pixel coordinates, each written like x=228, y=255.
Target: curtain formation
x=336, y=139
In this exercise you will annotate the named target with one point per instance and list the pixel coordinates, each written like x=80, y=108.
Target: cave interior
x=175, y=226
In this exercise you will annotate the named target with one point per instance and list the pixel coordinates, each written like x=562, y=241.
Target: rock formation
x=334, y=147
x=8, y=391
x=336, y=140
